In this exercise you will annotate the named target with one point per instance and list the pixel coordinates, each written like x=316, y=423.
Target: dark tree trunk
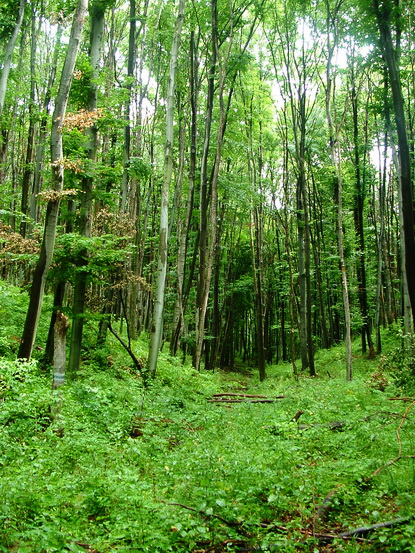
x=97, y=14
x=383, y=14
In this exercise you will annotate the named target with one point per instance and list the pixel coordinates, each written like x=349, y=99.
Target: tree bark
x=383, y=13
x=28, y=171
x=59, y=354
x=52, y=211
x=97, y=14
x=178, y=318
x=338, y=196
x=157, y=324
x=358, y=208
x=8, y=55
x=41, y=140
x=132, y=56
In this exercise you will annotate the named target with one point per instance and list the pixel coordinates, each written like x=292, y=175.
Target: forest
x=207, y=238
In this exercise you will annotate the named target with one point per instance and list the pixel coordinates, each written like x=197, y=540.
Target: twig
x=389, y=463
x=398, y=437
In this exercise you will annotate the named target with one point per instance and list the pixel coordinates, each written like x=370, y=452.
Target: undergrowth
x=125, y=468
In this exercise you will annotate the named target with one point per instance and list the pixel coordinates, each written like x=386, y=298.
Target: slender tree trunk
x=257, y=244
x=40, y=147
x=52, y=211
x=338, y=199
x=132, y=57
x=28, y=171
x=383, y=15
x=97, y=14
x=8, y=55
x=204, y=261
x=208, y=236
x=157, y=325
x=358, y=212
x=178, y=318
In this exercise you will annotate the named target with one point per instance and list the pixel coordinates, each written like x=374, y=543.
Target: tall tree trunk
x=28, y=171
x=338, y=193
x=97, y=14
x=358, y=212
x=306, y=342
x=52, y=211
x=257, y=245
x=204, y=261
x=383, y=14
x=8, y=55
x=132, y=57
x=157, y=324
x=178, y=318
x=41, y=140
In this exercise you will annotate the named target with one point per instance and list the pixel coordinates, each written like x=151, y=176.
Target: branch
x=137, y=363
x=230, y=523
x=367, y=529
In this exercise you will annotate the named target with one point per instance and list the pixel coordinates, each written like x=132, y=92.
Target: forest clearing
x=125, y=468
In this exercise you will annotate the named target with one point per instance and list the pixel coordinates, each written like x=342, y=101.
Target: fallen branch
x=232, y=394
x=398, y=437
x=389, y=463
x=323, y=536
x=325, y=505
x=401, y=398
x=362, y=531
x=244, y=399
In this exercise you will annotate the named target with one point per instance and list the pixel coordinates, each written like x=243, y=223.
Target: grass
x=128, y=469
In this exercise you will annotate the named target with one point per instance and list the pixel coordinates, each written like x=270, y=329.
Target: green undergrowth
x=124, y=468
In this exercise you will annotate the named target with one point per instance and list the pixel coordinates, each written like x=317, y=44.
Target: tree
x=157, y=325
x=8, y=55
x=97, y=19
x=335, y=150
x=56, y=192
x=383, y=11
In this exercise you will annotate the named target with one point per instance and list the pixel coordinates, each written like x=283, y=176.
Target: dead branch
x=325, y=505
x=398, y=437
x=297, y=415
x=231, y=394
x=243, y=398
x=389, y=463
x=363, y=530
x=401, y=398
x=137, y=363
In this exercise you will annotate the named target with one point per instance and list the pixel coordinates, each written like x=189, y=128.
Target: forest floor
x=317, y=465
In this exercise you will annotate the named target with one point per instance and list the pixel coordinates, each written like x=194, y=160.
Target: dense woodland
x=232, y=178
x=207, y=291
